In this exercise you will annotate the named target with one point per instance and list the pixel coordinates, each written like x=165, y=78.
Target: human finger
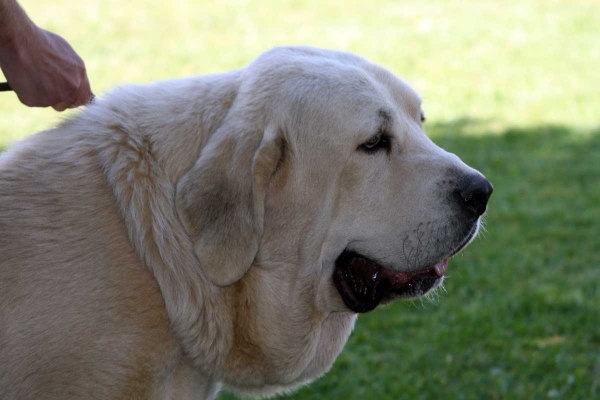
x=84, y=94
x=62, y=106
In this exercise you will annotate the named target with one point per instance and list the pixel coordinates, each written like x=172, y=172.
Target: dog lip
x=363, y=283
x=466, y=240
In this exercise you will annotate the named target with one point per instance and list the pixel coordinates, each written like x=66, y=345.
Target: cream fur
x=181, y=235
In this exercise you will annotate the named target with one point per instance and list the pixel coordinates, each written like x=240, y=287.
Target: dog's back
x=80, y=315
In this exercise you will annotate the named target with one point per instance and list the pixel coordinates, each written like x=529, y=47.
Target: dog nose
x=474, y=194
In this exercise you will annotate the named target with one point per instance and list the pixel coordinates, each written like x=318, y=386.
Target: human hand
x=44, y=70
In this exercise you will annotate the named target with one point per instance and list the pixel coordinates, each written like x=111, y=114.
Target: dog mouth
x=364, y=284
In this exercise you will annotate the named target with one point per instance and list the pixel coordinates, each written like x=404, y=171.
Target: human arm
x=40, y=66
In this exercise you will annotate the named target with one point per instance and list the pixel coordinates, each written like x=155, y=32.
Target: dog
x=221, y=230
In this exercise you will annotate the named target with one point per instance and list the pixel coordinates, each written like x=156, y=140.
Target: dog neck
x=143, y=157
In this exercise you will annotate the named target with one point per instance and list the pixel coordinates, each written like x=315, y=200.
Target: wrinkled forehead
x=403, y=95
x=324, y=86
x=363, y=97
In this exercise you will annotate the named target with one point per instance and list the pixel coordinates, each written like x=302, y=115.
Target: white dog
x=223, y=229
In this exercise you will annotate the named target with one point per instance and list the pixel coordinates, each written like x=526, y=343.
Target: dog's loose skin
x=182, y=235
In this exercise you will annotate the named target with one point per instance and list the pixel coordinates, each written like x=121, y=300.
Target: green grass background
x=512, y=87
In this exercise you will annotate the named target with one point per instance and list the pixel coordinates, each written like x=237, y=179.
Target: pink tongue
x=366, y=275
x=441, y=268
x=400, y=278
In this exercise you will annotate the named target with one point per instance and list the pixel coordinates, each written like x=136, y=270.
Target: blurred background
x=512, y=87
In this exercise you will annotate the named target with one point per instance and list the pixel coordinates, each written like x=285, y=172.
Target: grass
x=511, y=86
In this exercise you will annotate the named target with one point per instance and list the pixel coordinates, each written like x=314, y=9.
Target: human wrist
x=16, y=29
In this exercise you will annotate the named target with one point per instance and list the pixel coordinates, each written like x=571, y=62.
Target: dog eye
x=376, y=143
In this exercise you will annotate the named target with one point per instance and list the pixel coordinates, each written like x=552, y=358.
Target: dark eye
x=376, y=143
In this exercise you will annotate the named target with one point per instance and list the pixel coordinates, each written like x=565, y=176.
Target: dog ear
x=221, y=200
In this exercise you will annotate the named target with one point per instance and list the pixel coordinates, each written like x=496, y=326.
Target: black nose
x=474, y=193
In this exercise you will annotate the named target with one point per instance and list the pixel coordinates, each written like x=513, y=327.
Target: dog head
x=319, y=197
